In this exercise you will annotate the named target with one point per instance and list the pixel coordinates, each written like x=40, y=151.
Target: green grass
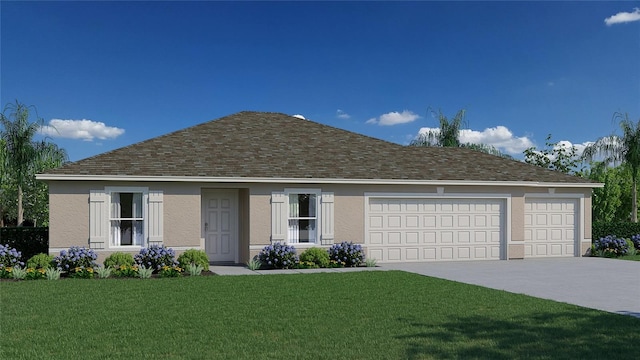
x=631, y=257
x=359, y=315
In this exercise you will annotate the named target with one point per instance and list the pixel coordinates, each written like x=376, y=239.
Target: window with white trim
x=122, y=216
x=303, y=218
x=126, y=219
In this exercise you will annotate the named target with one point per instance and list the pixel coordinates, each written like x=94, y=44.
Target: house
x=233, y=185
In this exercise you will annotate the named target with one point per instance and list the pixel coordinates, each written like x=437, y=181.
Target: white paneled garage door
x=427, y=229
x=550, y=227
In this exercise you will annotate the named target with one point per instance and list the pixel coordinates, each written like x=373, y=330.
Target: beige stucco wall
x=69, y=219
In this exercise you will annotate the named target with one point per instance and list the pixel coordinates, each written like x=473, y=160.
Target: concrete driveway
x=604, y=284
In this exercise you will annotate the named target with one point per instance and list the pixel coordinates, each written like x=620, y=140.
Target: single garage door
x=422, y=229
x=550, y=227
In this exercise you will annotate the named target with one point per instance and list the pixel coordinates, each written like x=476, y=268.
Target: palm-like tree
x=621, y=149
x=448, y=135
x=22, y=156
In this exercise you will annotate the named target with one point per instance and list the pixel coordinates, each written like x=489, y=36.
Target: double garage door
x=441, y=229
x=435, y=229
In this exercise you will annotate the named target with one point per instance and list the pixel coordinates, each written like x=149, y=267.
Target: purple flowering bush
x=156, y=257
x=75, y=257
x=278, y=256
x=635, y=239
x=9, y=257
x=346, y=254
x=76, y=262
x=610, y=246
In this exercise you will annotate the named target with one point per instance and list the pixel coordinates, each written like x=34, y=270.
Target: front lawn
x=357, y=315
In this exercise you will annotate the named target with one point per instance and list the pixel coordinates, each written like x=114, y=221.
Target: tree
x=623, y=149
x=22, y=156
x=448, y=135
x=555, y=156
x=613, y=201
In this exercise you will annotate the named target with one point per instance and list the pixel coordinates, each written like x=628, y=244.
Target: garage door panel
x=429, y=237
x=435, y=229
x=412, y=221
x=550, y=227
x=429, y=221
x=375, y=222
x=376, y=238
x=394, y=222
x=446, y=237
x=412, y=254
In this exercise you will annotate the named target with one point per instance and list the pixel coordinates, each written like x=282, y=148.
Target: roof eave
x=205, y=179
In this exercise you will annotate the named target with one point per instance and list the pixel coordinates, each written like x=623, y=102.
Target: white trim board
x=204, y=179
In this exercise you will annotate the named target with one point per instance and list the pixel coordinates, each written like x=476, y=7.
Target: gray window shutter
x=278, y=217
x=327, y=235
x=98, y=219
x=155, y=219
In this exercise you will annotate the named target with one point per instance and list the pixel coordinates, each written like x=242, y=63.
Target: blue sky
x=109, y=74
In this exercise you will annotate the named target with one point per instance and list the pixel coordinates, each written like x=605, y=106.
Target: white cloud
x=623, y=17
x=342, y=115
x=394, y=118
x=83, y=129
x=500, y=137
x=579, y=147
x=299, y=116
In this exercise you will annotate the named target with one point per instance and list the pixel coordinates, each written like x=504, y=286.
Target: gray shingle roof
x=274, y=145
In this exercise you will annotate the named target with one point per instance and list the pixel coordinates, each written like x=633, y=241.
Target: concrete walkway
x=243, y=270
x=604, y=284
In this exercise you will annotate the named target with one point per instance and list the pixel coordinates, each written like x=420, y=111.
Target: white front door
x=220, y=222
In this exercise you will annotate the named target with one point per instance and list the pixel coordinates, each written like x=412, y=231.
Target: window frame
x=145, y=215
x=317, y=218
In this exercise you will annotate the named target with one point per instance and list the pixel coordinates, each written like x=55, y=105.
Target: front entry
x=220, y=224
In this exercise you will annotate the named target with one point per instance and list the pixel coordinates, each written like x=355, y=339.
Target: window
x=126, y=219
x=303, y=218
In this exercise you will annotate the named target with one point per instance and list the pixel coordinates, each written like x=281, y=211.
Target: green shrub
x=143, y=272
x=27, y=240
x=194, y=270
x=103, y=272
x=53, y=274
x=194, y=256
x=118, y=259
x=315, y=255
x=253, y=264
x=19, y=273
x=632, y=249
x=40, y=261
x=620, y=229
